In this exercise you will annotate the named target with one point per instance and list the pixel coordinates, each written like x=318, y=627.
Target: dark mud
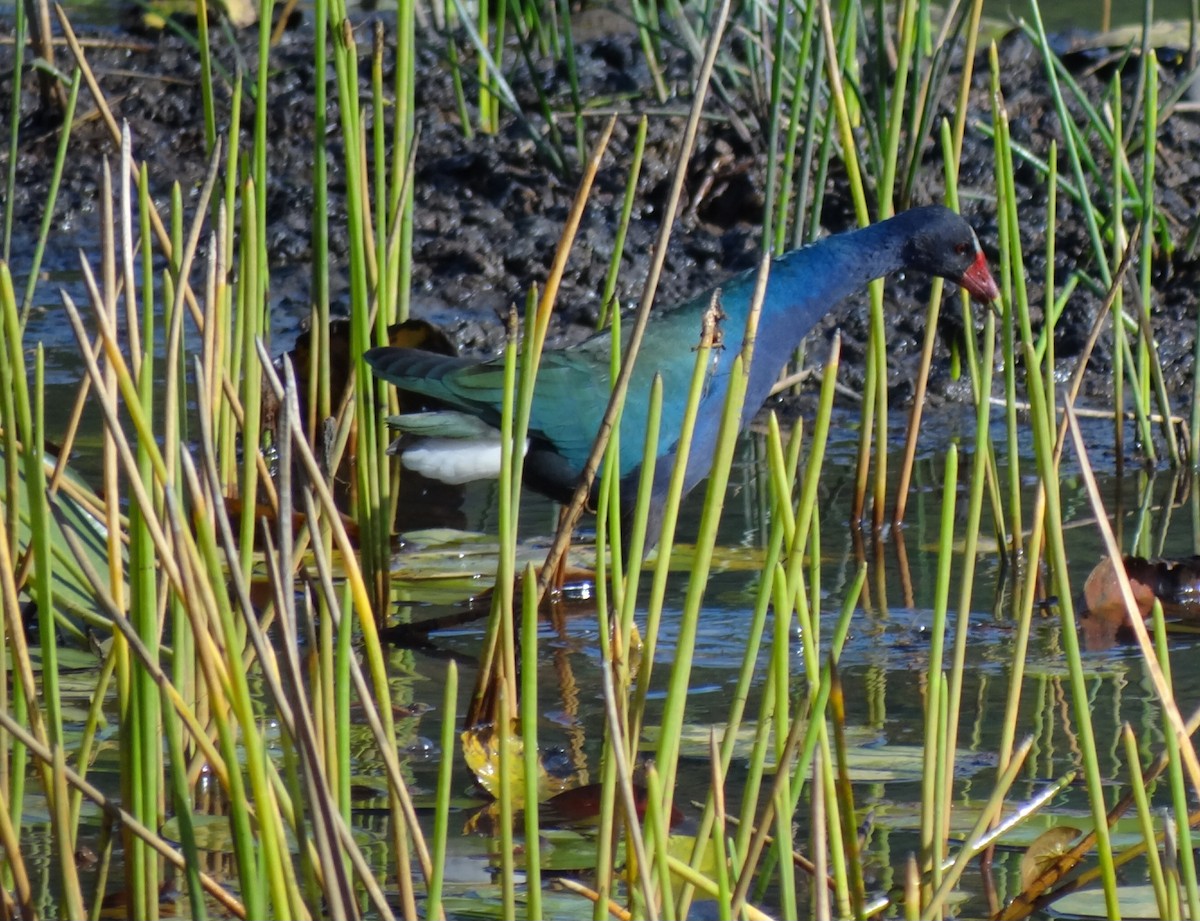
x=489, y=209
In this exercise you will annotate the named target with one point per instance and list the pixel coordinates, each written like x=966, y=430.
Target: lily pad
x=869, y=759
x=72, y=592
x=1136, y=902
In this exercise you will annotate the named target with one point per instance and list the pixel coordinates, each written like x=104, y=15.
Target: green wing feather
x=569, y=397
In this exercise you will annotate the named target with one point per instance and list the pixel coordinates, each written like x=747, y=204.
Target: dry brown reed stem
x=380, y=721
x=16, y=633
x=289, y=697
x=592, y=896
x=1038, y=518
x=160, y=231
x=108, y=43
x=1035, y=895
x=758, y=841
x=1088, y=412
x=108, y=409
x=960, y=118
x=1156, y=375
x=164, y=850
x=822, y=903
x=625, y=780
x=191, y=244
x=53, y=96
x=328, y=828
x=628, y=359
x=478, y=712
x=1159, y=680
x=211, y=758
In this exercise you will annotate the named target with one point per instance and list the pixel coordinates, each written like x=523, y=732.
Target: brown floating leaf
x=1101, y=608
x=1049, y=847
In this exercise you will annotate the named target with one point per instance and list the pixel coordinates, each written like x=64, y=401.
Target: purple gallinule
x=461, y=443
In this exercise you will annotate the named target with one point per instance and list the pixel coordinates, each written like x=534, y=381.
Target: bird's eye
x=960, y=248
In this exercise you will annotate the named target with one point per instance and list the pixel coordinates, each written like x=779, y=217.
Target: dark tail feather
x=412, y=369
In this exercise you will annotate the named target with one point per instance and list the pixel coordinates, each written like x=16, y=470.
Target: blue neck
x=804, y=285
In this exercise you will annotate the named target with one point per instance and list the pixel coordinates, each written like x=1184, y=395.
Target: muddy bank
x=490, y=210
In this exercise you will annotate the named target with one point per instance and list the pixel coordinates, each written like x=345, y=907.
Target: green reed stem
x=760, y=754
x=95, y=717
x=875, y=387
x=722, y=857
x=377, y=219
x=805, y=733
x=646, y=19
x=404, y=137
x=15, y=756
x=770, y=585
x=249, y=330
x=343, y=653
x=933, y=793
x=372, y=440
x=441, y=824
x=530, y=710
x=637, y=535
x=1149, y=73
x=504, y=795
x=141, y=730
x=1013, y=288
x=1137, y=786
x=614, y=265
x=905, y=47
x=669, y=513
x=19, y=35
x=978, y=481
x=781, y=641
x=227, y=358
x=605, y=841
x=320, y=398
x=30, y=429
x=774, y=113
x=181, y=804
x=1071, y=142
x=806, y=508
x=60, y=158
x=609, y=538
x=486, y=102
x=259, y=151
x=1045, y=346
x=673, y=713
x=245, y=848
x=800, y=63
x=1176, y=778
x=806, y=221
x=1125, y=360
x=1043, y=441
x=204, y=49
x=847, y=847
x=977, y=840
